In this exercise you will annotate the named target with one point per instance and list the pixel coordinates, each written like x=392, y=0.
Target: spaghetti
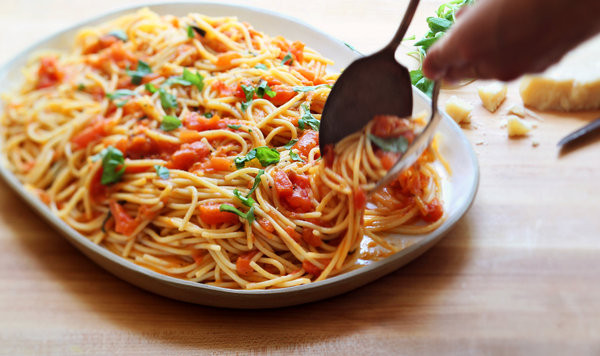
x=190, y=146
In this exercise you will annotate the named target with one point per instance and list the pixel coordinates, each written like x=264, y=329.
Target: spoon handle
x=399, y=36
x=419, y=145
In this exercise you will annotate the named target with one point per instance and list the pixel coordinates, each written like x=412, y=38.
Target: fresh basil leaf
x=290, y=144
x=308, y=119
x=263, y=88
x=234, y=127
x=190, y=32
x=256, y=182
x=425, y=43
x=437, y=24
x=194, y=78
x=261, y=66
x=425, y=85
x=415, y=76
x=151, y=88
x=112, y=159
x=302, y=89
x=288, y=58
x=121, y=103
x=170, y=123
x=167, y=100
x=393, y=144
x=121, y=93
x=80, y=87
x=248, y=91
x=120, y=34
x=208, y=114
x=295, y=157
x=162, y=171
x=247, y=201
x=265, y=155
x=176, y=80
x=142, y=70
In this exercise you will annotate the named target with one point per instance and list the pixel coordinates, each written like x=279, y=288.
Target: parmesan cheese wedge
x=517, y=126
x=492, y=95
x=459, y=110
x=572, y=84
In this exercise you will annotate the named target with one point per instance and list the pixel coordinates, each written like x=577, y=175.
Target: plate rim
x=80, y=241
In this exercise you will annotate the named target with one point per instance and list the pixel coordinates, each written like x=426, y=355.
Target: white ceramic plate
x=459, y=189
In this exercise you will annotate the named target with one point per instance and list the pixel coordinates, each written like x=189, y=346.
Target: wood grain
x=518, y=275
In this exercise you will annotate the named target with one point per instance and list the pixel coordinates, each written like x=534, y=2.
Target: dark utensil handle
x=580, y=133
x=399, y=36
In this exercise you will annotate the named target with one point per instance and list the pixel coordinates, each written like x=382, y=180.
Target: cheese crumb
x=517, y=126
x=492, y=95
x=459, y=110
x=517, y=109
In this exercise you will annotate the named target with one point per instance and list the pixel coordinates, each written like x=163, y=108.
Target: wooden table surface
x=518, y=274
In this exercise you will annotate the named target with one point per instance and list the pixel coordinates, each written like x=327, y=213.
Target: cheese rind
x=492, y=95
x=517, y=126
x=459, y=110
x=571, y=85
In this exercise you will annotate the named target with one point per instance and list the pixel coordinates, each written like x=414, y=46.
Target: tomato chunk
x=124, y=224
x=195, y=121
x=435, y=210
x=94, y=132
x=308, y=141
x=266, y=224
x=312, y=269
x=242, y=265
x=360, y=198
x=224, y=59
x=283, y=94
x=310, y=238
x=210, y=214
x=188, y=154
x=283, y=184
x=388, y=159
x=49, y=73
x=297, y=50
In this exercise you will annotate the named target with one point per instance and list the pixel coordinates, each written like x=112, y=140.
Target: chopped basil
x=142, y=70
x=295, y=157
x=290, y=144
x=263, y=88
x=256, y=182
x=249, y=216
x=247, y=201
x=196, y=79
x=234, y=127
x=112, y=159
x=265, y=155
x=162, y=171
x=288, y=58
x=121, y=93
x=393, y=144
x=261, y=66
x=190, y=32
x=308, y=119
x=81, y=87
x=120, y=34
x=208, y=114
x=302, y=89
x=170, y=123
x=167, y=100
x=151, y=88
x=249, y=93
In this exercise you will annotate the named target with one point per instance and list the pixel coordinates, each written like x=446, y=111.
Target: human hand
x=504, y=39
